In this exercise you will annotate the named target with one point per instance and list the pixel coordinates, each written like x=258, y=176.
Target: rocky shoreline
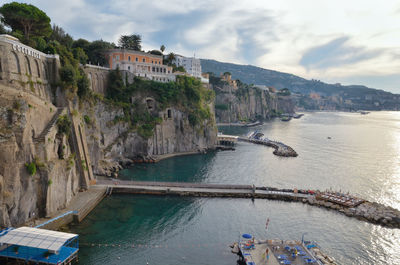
x=280, y=148
x=371, y=212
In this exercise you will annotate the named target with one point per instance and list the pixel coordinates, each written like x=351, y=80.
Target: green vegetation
x=132, y=42
x=64, y=125
x=31, y=168
x=162, y=48
x=87, y=119
x=26, y=20
x=222, y=106
x=187, y=94
x=178, y=68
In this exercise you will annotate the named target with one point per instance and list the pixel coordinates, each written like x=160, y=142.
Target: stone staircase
x=49, y=126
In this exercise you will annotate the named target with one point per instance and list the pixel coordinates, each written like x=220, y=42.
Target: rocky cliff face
x=24, y=196
x=250, y=103
x=113, y=142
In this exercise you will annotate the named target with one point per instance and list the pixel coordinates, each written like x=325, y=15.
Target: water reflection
x=362, y=157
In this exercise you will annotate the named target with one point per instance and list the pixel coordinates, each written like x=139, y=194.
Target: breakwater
x=361, y=209
x=280, y=148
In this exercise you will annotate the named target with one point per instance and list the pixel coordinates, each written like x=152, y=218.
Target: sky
x=341, y=41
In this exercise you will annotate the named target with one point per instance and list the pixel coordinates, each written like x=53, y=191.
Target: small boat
x=286, y=118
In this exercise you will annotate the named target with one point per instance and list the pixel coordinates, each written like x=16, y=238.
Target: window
x=136, y=59
x=165, y=70
x=169, y=113
x=152, y=62
x=117, y=57
x=129, y=58
x=129, y=68
x=153, y=69
x=144, y=60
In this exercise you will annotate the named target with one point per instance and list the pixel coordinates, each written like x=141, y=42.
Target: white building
x=192, y=65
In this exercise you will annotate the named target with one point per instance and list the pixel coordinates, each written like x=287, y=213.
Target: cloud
x=336, y=53
x=324, y=40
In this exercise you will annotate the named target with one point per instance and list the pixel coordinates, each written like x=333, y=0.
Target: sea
x=346, y=152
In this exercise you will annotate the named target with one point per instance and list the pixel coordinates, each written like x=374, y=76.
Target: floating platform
x=276, y=251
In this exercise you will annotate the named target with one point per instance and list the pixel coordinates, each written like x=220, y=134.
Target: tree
x=116, y=86
x=132, y=42
x=96, y=52
x=28, y=19
x=155, y=52
x=80, y=55
x=162, y=48
x=61, y=36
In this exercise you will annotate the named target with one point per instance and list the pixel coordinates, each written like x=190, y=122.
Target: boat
x=286, y=118
x=364, y=112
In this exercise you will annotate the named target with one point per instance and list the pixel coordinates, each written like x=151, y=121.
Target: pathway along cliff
x=347, y=204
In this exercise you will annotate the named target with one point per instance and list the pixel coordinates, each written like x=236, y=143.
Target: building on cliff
x=141, y=64
x=192, y=65
x=227, y=77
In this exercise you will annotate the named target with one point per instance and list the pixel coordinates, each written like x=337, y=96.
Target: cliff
x=248, y=103
x=330, y=96
x=28, y=135
x=114, y=141
x=52, y=140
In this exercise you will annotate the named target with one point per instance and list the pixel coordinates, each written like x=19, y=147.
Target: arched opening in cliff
x=28, y=69
x=150, y=104
x=16, y=67
x=46, y=74
x=169, y=113
x=37, y=68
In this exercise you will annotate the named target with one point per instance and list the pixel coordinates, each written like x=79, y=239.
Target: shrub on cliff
x=63, y=125
x=31, y=167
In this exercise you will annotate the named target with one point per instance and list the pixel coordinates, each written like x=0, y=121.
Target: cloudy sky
x=351, y=42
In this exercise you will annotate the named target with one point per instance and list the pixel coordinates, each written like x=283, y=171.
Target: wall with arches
x=98, y=77
x=25, y=68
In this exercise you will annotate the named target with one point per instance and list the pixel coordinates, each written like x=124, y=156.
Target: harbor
x=346, y=204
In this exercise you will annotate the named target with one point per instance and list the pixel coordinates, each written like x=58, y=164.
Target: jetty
x=347, y=204
x=281, y=149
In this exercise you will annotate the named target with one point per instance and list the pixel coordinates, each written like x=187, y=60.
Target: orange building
x=141, y=64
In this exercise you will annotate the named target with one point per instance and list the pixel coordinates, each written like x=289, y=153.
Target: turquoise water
x=362, y=157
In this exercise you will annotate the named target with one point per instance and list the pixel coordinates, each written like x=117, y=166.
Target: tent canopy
x=36, y=238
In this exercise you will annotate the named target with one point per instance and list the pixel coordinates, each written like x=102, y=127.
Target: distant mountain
x=361, y=97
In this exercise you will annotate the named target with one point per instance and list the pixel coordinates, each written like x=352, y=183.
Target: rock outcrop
x=234, y=104
x=113, y=143
x=26, y=195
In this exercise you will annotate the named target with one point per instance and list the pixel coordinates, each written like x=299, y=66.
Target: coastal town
x=109, y=151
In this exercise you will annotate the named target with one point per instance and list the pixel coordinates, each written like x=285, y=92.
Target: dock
x=276, y=251
x=281, y=149
x=198, y=190
x=79, y=207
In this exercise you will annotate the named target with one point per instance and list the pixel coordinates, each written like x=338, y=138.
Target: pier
x=346, y=204
x=198, y=190
x=281, y=149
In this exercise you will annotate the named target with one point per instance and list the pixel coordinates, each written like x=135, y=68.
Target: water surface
x=362, y=156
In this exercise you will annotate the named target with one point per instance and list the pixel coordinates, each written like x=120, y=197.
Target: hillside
x=338, y=96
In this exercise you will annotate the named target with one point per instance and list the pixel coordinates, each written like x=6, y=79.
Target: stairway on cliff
x=46, y=130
